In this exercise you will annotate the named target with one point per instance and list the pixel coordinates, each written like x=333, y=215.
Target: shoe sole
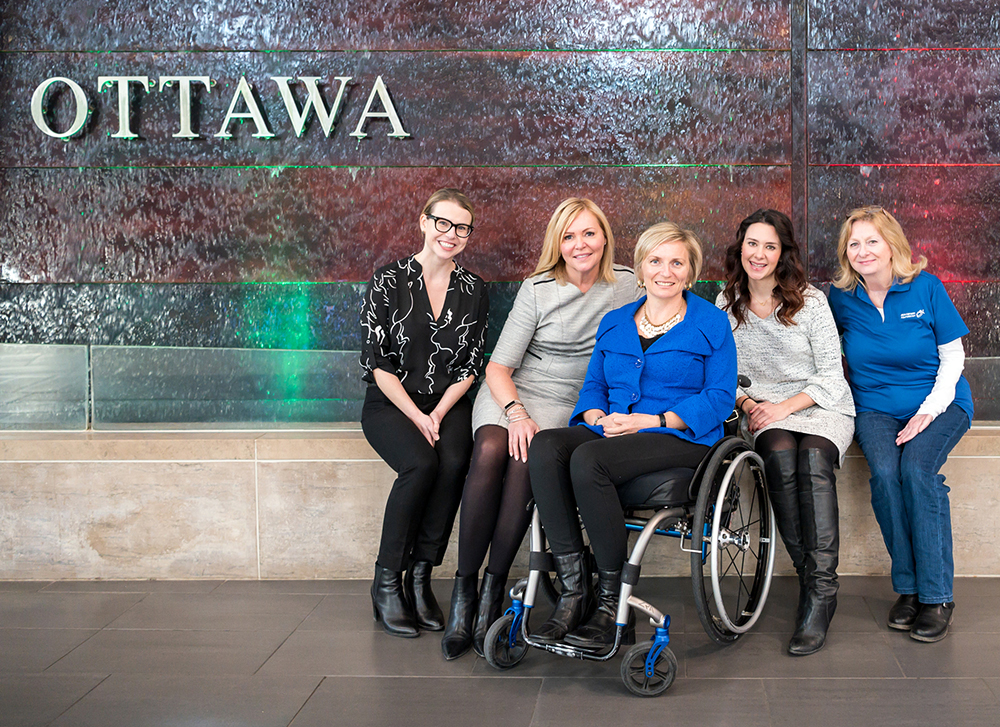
x=899, y=627
x=931, y=639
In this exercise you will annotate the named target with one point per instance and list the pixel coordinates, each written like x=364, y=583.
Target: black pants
x=421, y=508
x=575, y=468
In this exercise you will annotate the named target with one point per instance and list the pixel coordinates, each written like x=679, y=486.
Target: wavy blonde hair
x=904, y=268
x=551, y=259
x=663, y=232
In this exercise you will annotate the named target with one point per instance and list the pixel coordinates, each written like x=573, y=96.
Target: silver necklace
x=647, y=328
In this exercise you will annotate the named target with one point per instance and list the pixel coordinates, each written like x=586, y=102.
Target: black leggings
x=575, y=468
x=421, y=507
x=495, y=512
x=775, y=440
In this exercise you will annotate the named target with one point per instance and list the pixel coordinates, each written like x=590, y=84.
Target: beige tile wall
x=309, y=505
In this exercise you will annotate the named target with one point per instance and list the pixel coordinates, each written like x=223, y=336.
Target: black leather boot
x=820, y=518
x=491, y=594
x=389, y=605
x=417, y=587
x=574, y=603
x=457, y=638
x=904, y=612
x=932, y=622
x=781, y=469
x=598, y=632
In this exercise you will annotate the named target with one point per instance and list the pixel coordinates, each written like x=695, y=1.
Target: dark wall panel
x=264, y=225
x=906, y=107
x=499, y=108
x=394, y=25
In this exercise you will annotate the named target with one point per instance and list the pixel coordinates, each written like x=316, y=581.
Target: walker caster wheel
x=503, y=650
x=653, y=681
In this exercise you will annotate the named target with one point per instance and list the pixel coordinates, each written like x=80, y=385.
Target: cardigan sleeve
x=827, y=386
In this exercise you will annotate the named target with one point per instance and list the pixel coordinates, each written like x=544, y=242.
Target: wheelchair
x=721, y=516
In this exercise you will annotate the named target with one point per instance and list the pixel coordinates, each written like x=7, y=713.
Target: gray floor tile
x=421, y=701
x=877, y=586
x=172, y=652
x=34, y=650
x=994, y=685
x=156, y=700
x=958, y=655
x=64, y=610
x=276, y=612
x=294, y=587
x=916, y=702
x=366, y=653
x=695, y=702
x=344, y=613
x=141, y=586
x=24, y=586
x=34, y=700
x=763, y=655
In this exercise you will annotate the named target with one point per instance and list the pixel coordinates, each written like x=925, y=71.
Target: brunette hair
x=789, y=275
x=904, y=268
x=551, y=259
x=449, y=195
x=668, y=232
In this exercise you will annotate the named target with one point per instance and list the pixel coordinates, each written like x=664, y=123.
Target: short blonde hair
x=449, y=195
x=668, y=232
x=551, y=259
x=904, y=268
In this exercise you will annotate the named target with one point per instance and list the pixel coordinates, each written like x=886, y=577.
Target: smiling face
x=666, y=271
x=869, y=254
x=761, y=252
x=445, y=245
x=582, y=245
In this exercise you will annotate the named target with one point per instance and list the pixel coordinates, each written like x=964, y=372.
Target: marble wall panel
x=905, y=107
x=259, y=225
x=127, y=520
x=129, y=25
x=903, y=24
x=513, y=108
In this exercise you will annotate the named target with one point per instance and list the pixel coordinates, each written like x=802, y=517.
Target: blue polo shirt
x=892, y=364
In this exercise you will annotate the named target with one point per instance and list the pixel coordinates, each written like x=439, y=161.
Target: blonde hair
x=904, y=268
x=449, y=195
x=551, y=259
x=668, y=232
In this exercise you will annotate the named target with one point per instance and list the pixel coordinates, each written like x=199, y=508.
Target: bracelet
x=516, y=413
x=511, y=403
x=663, y=421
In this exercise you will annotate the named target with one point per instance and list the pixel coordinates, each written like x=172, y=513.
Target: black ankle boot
x=574, y=602
x=458, y=633
x=932, y=622
x=599, y=631
x=904, y=612
x=781, y=468
x=389, y=606
x=820, y=518
x=491, y=594
x=417, y=587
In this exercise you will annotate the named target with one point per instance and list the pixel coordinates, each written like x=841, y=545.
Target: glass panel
x=43, y=386
x=224, y=388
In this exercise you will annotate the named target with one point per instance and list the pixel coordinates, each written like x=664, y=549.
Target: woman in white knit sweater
x=798, y=407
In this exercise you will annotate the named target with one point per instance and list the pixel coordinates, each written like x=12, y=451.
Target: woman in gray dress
x=532, y=383
x=799, y=408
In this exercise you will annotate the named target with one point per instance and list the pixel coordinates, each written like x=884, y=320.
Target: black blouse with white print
x=403, y=338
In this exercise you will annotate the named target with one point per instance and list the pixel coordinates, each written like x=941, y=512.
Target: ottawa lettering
x=243, y=97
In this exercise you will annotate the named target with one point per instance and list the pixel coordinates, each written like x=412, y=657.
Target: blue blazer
x=690, y=371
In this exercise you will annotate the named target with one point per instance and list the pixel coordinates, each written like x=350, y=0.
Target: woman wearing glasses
x=424, y=319
x=532, y=383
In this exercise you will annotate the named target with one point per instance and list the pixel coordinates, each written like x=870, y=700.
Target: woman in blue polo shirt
x=902, y=340
x=660, y=384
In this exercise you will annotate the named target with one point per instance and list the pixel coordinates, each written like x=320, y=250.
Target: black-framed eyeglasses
x=443, y=225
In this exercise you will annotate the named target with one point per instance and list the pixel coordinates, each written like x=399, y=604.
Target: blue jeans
x=910, y=499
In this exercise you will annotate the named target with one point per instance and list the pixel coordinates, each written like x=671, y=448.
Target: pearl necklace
x=648, y=330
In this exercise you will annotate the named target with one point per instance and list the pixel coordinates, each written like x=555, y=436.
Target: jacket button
x=638, y=363
x=635, y=397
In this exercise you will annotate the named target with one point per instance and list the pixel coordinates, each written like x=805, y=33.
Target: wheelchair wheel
x=644, y=684
x=734, y=519
x=503, y=649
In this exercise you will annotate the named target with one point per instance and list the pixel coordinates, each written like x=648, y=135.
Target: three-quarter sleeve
x=519, y=329
x=376, y=351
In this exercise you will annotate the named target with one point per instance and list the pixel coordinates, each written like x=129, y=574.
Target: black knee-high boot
x=599, y=630
x=458, y=633
x=491, y=594
x=820, y=518
x=574, y=603
x=781, y=468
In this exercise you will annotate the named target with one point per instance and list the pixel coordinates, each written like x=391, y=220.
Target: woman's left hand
x=617, y=424
x=765, y=412
x=913, y=427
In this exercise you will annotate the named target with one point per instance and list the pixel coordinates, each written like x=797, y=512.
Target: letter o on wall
x=38, y=97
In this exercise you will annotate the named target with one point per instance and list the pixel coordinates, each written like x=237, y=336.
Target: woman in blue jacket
x=660, y=384
x=903, y=345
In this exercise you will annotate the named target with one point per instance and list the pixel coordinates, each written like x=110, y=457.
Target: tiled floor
x=304, y=653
